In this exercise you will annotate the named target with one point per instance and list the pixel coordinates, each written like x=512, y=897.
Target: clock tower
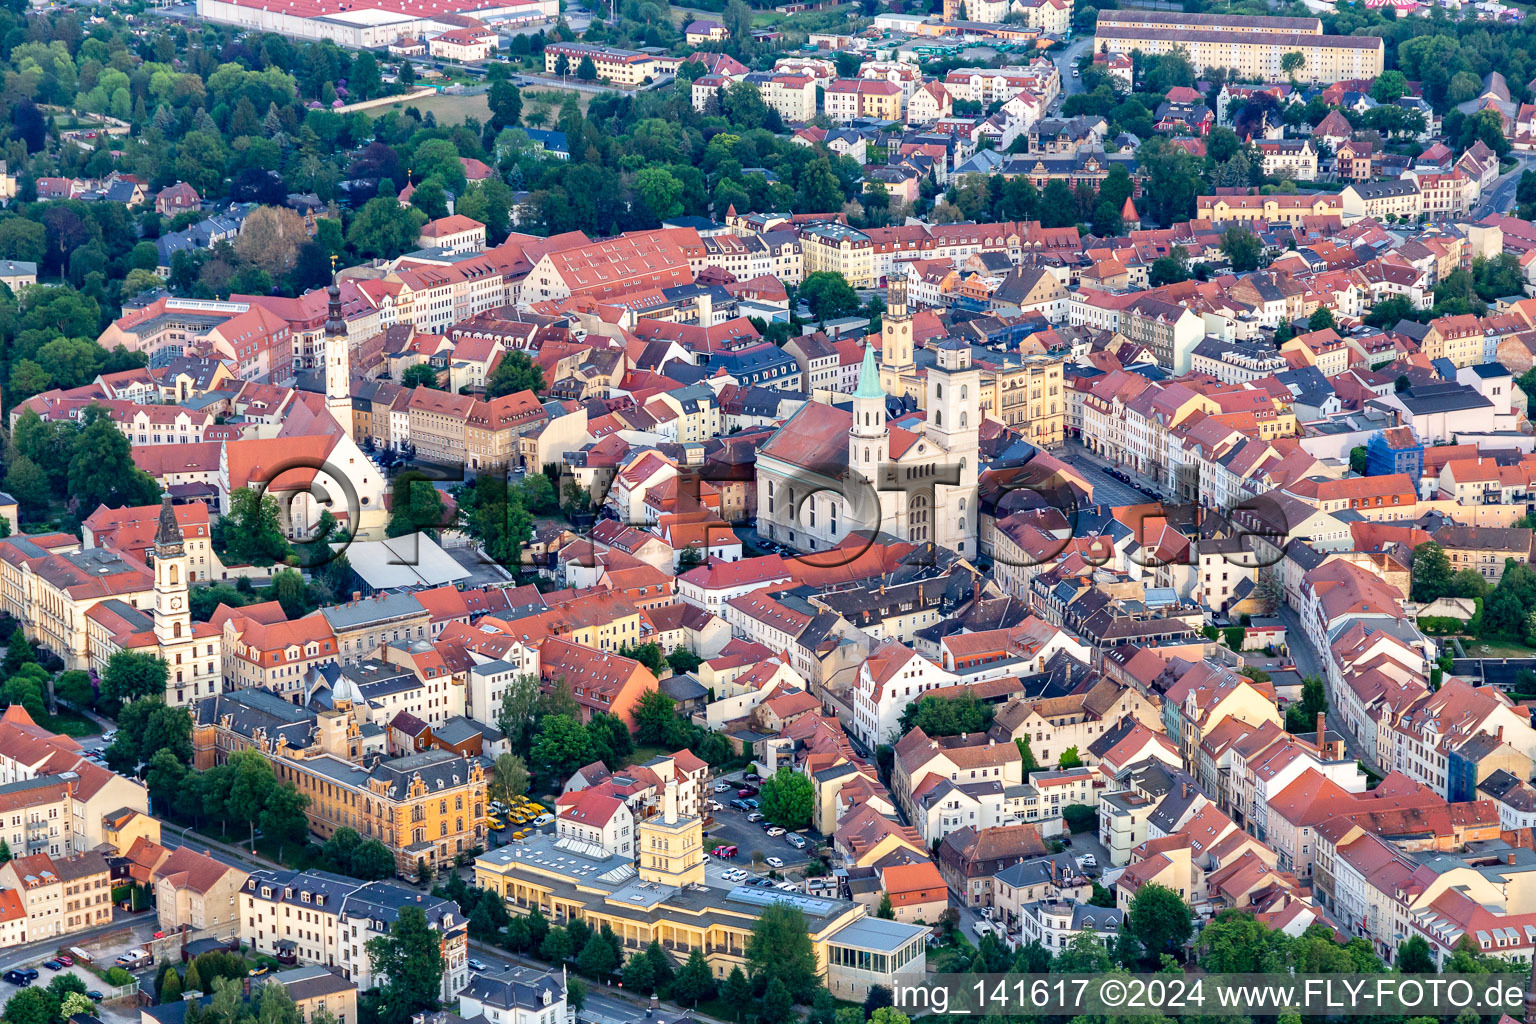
x=173, y=616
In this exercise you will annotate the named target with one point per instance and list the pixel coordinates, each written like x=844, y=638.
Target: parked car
x=53, y=965
x=751, y=803
x=721, y=787
x=775, y=831
x=774, y=862
x=798, y=842
x=746, y=791
x=755, y=815
x=67, y=961
x=1088, y=860
x=543, y=819
x=740, y=804
x=476, y=965
x=724, y=851
x=18, y=978
x=94, y=996
x=752, y=777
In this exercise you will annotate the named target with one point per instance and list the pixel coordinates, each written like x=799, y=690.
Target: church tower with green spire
x=868, y=437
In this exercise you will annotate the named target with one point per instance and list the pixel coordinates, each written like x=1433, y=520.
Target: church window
x=962, y=421
x=938, y=418
x=173, y=574
x=963, y=392
x=938, y=391
x=176, y=631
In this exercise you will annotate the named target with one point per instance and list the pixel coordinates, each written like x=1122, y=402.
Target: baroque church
x=831, y=471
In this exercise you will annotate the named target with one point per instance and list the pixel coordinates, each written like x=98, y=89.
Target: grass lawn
x=644, y=753
x=71, y=723
x=1497, y=649
x=453, y=109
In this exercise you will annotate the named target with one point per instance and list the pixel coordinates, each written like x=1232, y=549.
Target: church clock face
x=175, y=604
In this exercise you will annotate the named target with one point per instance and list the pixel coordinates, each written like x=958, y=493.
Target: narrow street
x=1309, y=663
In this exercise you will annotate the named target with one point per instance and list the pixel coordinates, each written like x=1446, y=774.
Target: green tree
x=410, y=959
x=885, y=910
x=1028, y=755
x=1242, y=249
x=780, y=949
x=639, y=975
x=515, y=373
x=694, y=982
x=1321, y=319
x=164, y=778
x=586, y=70
x=420, y=376
x=1237, y=943
x=654, y=714
x=1358, y=457
x=828, y=295
x=1070, y=758
x=598, y=959
x=101, y=468
x=787, y=798
x=384, y=229
x=418, y=505
x=283, y=819
x=131, y=675
x=562, y=747
x=252, y=533
x=251, y=787
x=737, y=992
x=276, y=1005
x=31, y=1006
x=947, y=716
x=1431, y=572
x=777, y=1006
x=1292, y=62
x=509, y=778
x=74, y=687
x=506, y=103
x=1158, y=922
x=1414, y=957
x=372, y=860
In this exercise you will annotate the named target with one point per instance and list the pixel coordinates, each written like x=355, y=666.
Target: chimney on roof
x=1509, y=858
x=357, y=595
x=1322, y=730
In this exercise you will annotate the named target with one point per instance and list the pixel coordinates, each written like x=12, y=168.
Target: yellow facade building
x=1250, y=48
x=427, y=807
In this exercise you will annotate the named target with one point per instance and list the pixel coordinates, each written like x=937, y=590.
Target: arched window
x=963, y=392
x=938, y=391
x=938, y=418
x=174, y=574
x=962, y=421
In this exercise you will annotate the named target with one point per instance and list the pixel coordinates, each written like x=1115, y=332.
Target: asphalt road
x=1066, y=62
x=1500, y=196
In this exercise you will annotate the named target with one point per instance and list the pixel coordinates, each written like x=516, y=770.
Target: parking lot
x=731, y=828
x=1106, y=489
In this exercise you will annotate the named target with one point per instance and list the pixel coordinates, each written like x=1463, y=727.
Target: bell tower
x=896, y=358
x=869, y=438
x=173, y=614
x=338, y=361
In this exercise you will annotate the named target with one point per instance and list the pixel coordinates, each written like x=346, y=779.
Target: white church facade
x=830, y=472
